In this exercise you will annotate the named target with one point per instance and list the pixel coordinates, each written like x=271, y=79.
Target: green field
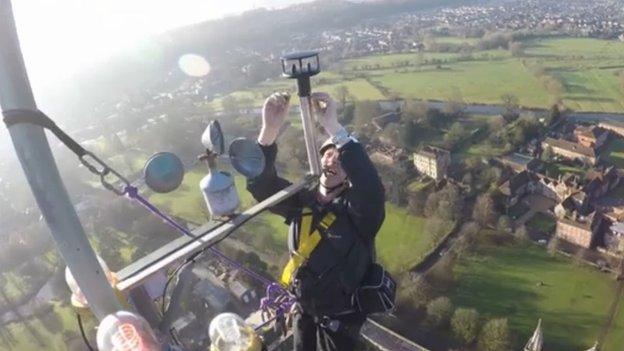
x=572, y=301
x=478, y=81
x=24, y=340
x=586, y=68
x=403, y=241
x=615, y=337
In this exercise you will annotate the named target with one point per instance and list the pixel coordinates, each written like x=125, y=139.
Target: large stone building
x=579, y=230
x=433, y=162
x=570, y=150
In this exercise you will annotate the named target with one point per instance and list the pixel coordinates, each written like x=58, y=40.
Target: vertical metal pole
x=145, y=306
x=309, y=135
x=36, y=158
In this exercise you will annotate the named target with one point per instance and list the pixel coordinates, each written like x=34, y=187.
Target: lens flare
x=194, y=65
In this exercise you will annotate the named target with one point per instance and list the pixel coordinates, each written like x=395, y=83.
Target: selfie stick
x=302, y=66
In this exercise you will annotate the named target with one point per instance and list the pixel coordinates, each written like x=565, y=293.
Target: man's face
x=332, y=173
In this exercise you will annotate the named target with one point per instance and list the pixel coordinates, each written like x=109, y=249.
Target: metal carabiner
x=103, y=171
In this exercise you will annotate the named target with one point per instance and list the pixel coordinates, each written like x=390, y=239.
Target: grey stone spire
x=537, y=340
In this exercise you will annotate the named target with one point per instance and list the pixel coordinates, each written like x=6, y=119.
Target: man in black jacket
x=332, y=229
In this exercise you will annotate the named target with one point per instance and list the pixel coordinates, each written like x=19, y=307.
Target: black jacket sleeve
x=268, y=183
x=365, y=199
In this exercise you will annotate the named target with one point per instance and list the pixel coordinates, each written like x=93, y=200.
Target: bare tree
x=495, y=336
x=483, y=211
x=465, y=325
x=439, y=311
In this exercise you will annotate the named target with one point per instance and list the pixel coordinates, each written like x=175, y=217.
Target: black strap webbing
x=36, y=117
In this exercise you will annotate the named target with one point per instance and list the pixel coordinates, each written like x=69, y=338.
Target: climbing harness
x=308, y=241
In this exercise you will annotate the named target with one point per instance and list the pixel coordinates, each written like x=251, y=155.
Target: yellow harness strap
x=308, y=241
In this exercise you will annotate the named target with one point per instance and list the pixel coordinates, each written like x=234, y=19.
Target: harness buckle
x=332, y=325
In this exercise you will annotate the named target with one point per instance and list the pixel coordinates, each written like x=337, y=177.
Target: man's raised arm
x=274, y=113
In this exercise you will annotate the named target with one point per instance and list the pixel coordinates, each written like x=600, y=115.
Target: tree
x=555, y=114
x=547, y=154
x=439, y=311
x=415, y=110
x=483, y=211
x=504, y=224
x=447, y=203
x=521, y=233
x=553, y=245
x=516, y=49
x=455, y=135
x=346, y=114
x=365, y=111
x=495, y=336
x=408, y=134
x=465, y=325
x=342, y=93
x=511, y=107
x=455, y=107
x=436, y=227
x=414, y=292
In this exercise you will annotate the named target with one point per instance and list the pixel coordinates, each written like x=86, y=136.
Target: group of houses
x=586, y=213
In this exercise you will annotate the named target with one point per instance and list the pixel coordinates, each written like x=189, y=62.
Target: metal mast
x=36, y=158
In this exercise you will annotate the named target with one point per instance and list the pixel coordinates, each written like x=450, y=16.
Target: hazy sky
x=62, y=36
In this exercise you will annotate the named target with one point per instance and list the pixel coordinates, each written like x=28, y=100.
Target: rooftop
x=433, y=152
x=570, y=146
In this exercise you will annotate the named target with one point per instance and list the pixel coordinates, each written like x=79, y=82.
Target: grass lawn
x=615, y=152
x=478, y=81
x=615, y=337
x=573, y=302
x=418, y=185
x=556, y=169
x=402, y=241
x=481, y=149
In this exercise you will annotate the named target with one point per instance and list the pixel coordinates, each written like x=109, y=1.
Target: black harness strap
x=36, y=117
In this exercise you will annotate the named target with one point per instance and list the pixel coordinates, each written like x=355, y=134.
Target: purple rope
x=133, y=193
x=277, y=300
